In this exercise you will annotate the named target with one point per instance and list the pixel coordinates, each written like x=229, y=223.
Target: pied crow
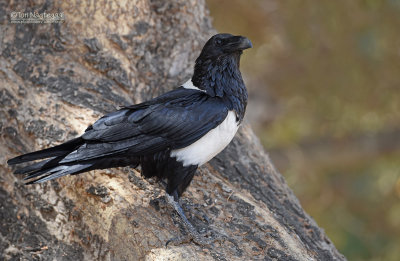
x=169, y=136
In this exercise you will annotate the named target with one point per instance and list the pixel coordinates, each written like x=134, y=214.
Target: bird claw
x=196, y=238
x=192, y=234
x=199, y=215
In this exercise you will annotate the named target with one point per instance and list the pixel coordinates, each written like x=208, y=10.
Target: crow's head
x=217, y=68
x=222, y=45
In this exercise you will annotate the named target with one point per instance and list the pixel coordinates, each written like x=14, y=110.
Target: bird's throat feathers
x=221, y=77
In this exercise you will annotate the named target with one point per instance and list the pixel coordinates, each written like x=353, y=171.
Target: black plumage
x=146, y=134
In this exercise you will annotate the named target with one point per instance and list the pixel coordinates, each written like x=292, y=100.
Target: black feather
x=59, y=150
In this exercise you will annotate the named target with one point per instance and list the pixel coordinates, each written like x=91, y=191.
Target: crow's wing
x=173, y=120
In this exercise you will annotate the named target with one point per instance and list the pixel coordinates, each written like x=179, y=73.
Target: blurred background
x=324, y=83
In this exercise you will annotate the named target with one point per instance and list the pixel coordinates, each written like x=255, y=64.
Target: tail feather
x=36, y=166
x=42, y=170
x=51, y=165
x=59, y=171
x=60, y=150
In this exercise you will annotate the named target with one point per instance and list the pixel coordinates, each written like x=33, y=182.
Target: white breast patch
x=210, y=144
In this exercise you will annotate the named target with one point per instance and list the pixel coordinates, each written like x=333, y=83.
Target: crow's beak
x=244, y=43
x=238, y=43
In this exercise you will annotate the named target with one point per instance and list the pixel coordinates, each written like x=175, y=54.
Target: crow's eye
x=218, y=41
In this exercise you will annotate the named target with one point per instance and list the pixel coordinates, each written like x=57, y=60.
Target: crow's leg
x=193, y=235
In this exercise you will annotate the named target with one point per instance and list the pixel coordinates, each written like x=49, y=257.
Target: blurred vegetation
x=328, y=74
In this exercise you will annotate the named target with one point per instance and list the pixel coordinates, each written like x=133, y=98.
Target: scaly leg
x=193, y=235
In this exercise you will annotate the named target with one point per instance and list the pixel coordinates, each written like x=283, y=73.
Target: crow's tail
x=50, y=168
x=60, y=150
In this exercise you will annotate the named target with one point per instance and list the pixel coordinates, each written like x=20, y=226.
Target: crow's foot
x=196, y=238
x=192, y=234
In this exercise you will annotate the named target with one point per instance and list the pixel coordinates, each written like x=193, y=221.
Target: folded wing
x=174, y=120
